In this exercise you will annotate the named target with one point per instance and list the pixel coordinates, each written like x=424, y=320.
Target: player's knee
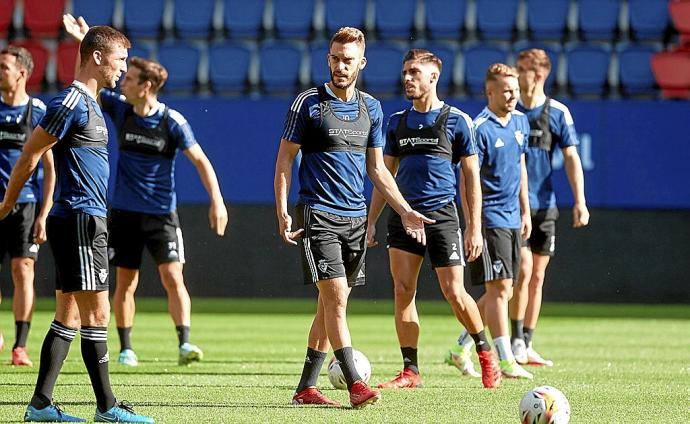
x=171, y=279
x=404, y=290
x=537, y=281
x=22, y=270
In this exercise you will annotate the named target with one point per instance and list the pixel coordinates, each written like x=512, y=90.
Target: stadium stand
x=445, y=19
x=66, y=59
x=648, y=19
x=588, y=68
x=6, y=11
x=340, y=13
x=672, y=73
x=318, y=64
x=144, y=18
x=140, y=50
x=95, y=12
x=280, y=64
x=243, y=19
x=382, y=75
x=229, y=67
x=193, y=18
x=546, y=19
x=680, y=14
x=598, y=19
x=293, y=18
x=634, y=69
x=477, y=60
x=182, y=62
x=395, y=18
x=43, y=18
x=496, y=19
x=40, y=55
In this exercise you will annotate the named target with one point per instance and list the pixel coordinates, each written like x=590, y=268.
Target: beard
x=347, y=83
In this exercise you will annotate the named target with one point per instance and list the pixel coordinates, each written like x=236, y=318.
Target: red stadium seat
x=40, y=56
x=43, y=18
x=680, y=14
x=66, y=59
x=672, y=73
x=6, y=11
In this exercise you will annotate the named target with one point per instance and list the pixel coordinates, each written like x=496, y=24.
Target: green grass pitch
x=616, y=364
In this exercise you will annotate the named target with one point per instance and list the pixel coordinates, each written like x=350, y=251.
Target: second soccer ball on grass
x=335, y=374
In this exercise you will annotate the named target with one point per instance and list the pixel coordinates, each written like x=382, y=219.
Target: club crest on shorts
x=103, y=275
x=33, y=248
x=323, y=265
x=497, y=266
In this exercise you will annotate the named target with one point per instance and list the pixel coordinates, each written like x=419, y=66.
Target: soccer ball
x=544, y=405
x=335, y=374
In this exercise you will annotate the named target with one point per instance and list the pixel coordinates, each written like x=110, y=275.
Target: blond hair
x=423, y=56
x=537, y=60
x=348, y=35
x=500, y=70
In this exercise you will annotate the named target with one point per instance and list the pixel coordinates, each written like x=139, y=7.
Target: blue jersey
x=428, y=181
x=538, y=157
x=16, y=124
x=500, y=150
x=81, y=152
x=333, y=180
x=148, y=147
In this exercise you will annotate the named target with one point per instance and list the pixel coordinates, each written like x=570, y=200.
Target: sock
x=22, y=333
x=480, y=342
x=502, y=344
x=465, y=340
x=516, y=329
x=182, y=334
x=312, y=367
x=528, y=335
x=53, y=353
x=409, y=355
x=94, y=352
x=347, y=365
x=124, y=333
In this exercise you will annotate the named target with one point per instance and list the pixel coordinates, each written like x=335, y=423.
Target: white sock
x=502, y=344
x=465, y=340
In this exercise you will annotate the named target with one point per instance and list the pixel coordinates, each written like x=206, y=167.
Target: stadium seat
x=40, y=56
x=447, y=53
x=6, y=11
x=395, y=18
x=588, y=68
x=477, y=60
x=496, y=18
x=279, y=67
x=680, y=14
x=43, y=18
x=67, y=53
x=193, y=18
x=635, y=70
x=182, y=74
x=672, y=73
x=553, y=50
x=598, y=19
x=95, y=12
x=144, y=18
x=382, y=74
x=546, y=19
x=648, y=18
x=318, y=64
x=229, y=67
x=445, y=19
x=293, y=18
x=139, y=50
x=344, y=13
x=243, y=19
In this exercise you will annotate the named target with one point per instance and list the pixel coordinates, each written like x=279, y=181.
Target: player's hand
x=371, y=235
x=218, y=217
x=526, y=227
x=285, y=228
x=77, y=28
x=580, y=215
x=40, y=236
x=413, y=223
x=4, y=210
x=474, y=243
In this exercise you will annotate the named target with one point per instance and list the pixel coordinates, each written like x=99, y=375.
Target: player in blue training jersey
x=74, y=127
x=551, y=127
x=338, y=130
x=23, y=230
x=144, y=203
x=501, y=133
x=424, y=144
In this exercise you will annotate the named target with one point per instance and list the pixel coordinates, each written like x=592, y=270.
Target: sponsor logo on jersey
x=4, y=135
x=414, y=141
x=346, y=132
x=140, y=139
x=100, y=129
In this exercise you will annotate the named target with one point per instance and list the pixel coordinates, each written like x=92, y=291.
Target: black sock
x=347, y=365
x=182, y=334
x=529, y=334
x=311, y=369
x=22, y=333
x=124, y=333
x=409, y=355
x=481, y=344
x=516, y=329
x=94, y=352
x=53, y=353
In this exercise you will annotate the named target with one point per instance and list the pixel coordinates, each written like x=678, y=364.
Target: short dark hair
x=150, y=71
x=348, y=35
x=102, y=38
x=23, y=57
x=424, y=56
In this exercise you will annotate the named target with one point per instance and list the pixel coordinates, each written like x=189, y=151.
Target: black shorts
x=500, y=258
x=443, y=238
x=16, y=232
x=542, y=241
x=80, y=247
x=332, y=246
x=131, y=231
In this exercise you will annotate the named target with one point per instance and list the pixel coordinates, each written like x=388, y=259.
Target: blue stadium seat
x=588, y=68
x=648, y=18
x=635, y=69
x=382, y=74
x=139, y=50
x=193, y=18
x=546, y=19
x=143, y=18
x=445, y=18
x=318, y=64
x=344, y=13
x=182, y=74
x=496, y=18
x=553, y=50
x=293, y=18
x=478, y=58
x=598, y=19
x=447, y=53
x=243, y=19
x=228, y=66
x=279, y=67
x=95, y=13
x=395, y=18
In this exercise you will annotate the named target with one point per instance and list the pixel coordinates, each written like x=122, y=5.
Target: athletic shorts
x=332, y=246
x=131, y=231
x=16, y=232
x=443, y=238
x=500, y=258
x=80, y=248
x=542, y=240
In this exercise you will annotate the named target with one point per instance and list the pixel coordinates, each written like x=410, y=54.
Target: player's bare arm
x=39, y=234
x=281, y=185
x=526, y=225
x=217, y=213
x=573, y=169
x=378, y=202
x=472, y=206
